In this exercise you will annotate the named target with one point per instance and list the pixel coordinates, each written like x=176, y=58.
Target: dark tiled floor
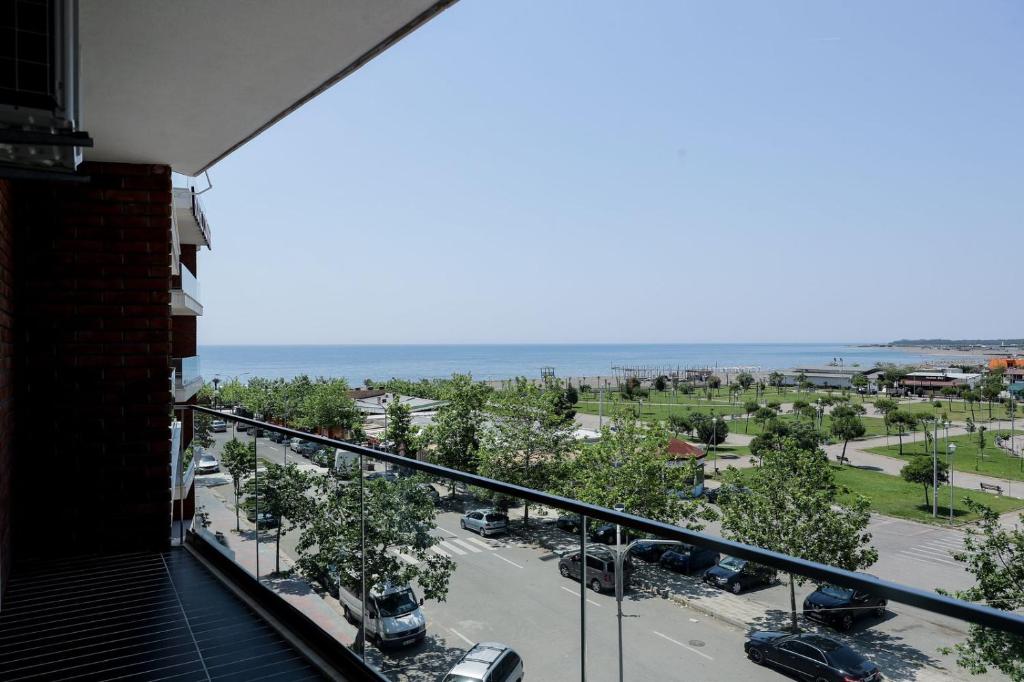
x=136, y=617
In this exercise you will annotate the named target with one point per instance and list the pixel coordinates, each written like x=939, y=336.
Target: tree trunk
x=927, y=502
x=277, y=547
x=746, y=427
x=900, y=434
x=792, y=604
x=843, y=456
x=238, y=523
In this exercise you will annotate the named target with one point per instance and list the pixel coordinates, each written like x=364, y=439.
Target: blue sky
x=640, y=172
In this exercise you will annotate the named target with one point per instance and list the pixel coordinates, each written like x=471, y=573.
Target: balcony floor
x=138, y=617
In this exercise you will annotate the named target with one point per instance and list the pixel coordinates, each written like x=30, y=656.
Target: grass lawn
x=892, y=496
x=957, y=410
x=874, y=426
x=996, y=461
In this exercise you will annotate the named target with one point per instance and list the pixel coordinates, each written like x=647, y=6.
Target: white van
x=393, y=617
x=345, y=463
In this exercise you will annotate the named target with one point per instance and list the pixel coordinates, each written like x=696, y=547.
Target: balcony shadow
x=288, y=584
x=427, y=661
x=897, y=659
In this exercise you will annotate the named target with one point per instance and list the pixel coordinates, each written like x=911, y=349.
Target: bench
x=997, y=489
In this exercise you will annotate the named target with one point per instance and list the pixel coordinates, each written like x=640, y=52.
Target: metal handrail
x=979, y=614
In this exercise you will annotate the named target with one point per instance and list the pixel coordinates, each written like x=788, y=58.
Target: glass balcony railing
x=186, y=372
x=189, y=284
x=420, y=571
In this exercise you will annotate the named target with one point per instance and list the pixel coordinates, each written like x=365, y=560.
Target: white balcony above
x=185, y=299
x=187, y=379
x=189, y=219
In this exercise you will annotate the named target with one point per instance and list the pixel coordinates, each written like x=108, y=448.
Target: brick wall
x=93, y=349
x=6, y=378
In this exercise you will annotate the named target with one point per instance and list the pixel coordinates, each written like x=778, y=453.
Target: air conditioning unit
x=39, y=118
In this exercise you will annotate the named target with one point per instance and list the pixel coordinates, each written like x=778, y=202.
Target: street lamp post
x=951, y=449
x=714, y=441
x=620, y=559
x=935, y=468
x=618, y=580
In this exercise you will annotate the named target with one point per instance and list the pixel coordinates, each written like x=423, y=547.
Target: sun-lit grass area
x=970, y=457
x=956, y=410
x=892, y=496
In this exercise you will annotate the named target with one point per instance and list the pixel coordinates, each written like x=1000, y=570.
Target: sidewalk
x=243, y=549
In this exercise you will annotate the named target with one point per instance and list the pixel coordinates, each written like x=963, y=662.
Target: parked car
x=218, y=426
x=649, y=551
x=294, y=443
x=600, y=568
x=266, y=519
x=207, y=464
x=389, y=476
x=485, y=521
x=306, y=449
x=430, y=491
x=322, y=458
x=278, y=437
x=688, y=558
x=736, y=575
x=241, y=427
x=606, y=534
x=810, y=656
x=712, y=494
x=570, y=523
x=840, y=607
x=487, y=662
x=393, y=615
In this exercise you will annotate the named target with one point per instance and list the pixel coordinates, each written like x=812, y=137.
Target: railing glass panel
x=187, y=371
x=189, y=284
x=538, y=574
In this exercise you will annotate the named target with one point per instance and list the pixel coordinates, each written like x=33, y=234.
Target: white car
x=485, y=521
x=218, y=426
x=488, y=662
x=207, y=464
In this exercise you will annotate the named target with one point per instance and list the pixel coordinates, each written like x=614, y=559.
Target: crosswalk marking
x=935, y=550
x=481, y=543
x=449, y=547
x=463, y=544
x=440, y=552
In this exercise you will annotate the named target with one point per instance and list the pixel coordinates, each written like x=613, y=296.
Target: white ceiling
x=184, y=82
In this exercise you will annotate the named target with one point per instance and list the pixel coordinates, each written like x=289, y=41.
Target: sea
x=356, y=363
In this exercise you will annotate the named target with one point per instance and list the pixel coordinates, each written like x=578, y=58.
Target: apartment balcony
x=518, y=588
x=187, y=379
x=185, y=298
x=189, y=218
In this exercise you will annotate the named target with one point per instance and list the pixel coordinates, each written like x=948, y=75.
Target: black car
x=278, y=437
x=841, y=606
x=712, y=495
x=606, y=534
x=811, y=657
x=649, y=551
x=688, y=558
x=570, y=523
x=736, y=575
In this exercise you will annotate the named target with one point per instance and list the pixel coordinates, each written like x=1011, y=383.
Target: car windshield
x=460, y=678
x=732, y=563
x=844, y=658
x=835, y=591
x=396, y=604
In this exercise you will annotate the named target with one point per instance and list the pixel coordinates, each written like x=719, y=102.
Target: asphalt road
x=509, y=590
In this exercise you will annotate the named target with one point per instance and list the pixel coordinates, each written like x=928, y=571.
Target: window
x=805, y=650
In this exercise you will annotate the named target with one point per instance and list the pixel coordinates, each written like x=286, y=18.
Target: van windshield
x=396, y=604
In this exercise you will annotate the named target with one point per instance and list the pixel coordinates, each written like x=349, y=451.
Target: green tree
x=991, y=387
x=239, y=459
x=456, y=430
x=949, y=392
x=981, y=445
x=399, y=429
x=281, y=492
x=527, y=439
x=971, y=397
x=202, y=429
x=572, y=396
x=749, y=408
x=714, y=383
x=795, y=507
x=903, y=421
x=680, y=423
x=398, y=519
x=763, y=416
x=919, y=470
x=777, y=379
x=231, y=392
x=846, y=425
x=745, y=380
x=859, y=382
x=886, y=406
x=328, y=406
x=710, y=430
x=660, y=383
x=630, y=465
x=994, y=555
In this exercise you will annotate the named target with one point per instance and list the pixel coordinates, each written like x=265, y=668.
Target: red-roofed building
x=681, y=450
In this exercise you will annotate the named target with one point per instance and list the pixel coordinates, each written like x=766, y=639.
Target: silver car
x=485, y=521
x=488, y=662
x=207, y=464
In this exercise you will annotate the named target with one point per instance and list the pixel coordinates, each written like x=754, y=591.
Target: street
x=509, y=590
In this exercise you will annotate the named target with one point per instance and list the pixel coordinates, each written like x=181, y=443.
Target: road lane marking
x=927, y=557
x=481, y=543
x=440, y=552
x=464, y=544
x=688, y=648
x=445, y=530
x=465, y=639
x=577, y=595
x=506, y=560
x=451, y=548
